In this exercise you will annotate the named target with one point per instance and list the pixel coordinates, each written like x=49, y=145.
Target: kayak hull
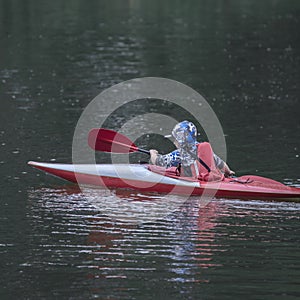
x=138, y=177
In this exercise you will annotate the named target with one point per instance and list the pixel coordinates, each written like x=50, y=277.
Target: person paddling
x=194, y=158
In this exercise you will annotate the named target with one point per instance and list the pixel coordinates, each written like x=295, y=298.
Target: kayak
x=148, y=178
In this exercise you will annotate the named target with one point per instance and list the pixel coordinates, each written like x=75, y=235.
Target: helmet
x=185, y=132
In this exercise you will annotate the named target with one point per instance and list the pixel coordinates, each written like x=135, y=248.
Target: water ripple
x=184, y=247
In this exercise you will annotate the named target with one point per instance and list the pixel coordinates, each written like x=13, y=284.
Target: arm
x=223, y=166
x=167, y=160
x=227, y=171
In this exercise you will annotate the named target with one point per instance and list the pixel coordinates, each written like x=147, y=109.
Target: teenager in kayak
x=194, y=158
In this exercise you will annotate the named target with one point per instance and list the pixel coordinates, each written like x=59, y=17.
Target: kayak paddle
x=107, y=140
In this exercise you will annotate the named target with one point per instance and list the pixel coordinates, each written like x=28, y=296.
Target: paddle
x=107, y=140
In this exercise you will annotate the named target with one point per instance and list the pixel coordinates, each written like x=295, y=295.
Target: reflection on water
x=111, y=249
x=109, y=257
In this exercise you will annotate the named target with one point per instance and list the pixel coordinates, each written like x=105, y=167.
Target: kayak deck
x=139, y=177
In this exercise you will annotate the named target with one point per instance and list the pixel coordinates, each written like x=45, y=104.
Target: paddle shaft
x=143, y=151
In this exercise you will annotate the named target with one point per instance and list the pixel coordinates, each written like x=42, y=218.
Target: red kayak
x=148, y=178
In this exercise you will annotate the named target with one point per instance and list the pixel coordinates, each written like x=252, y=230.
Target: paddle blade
x=107, y=140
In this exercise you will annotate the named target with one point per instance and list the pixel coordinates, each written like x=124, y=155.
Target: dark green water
x=56, y=56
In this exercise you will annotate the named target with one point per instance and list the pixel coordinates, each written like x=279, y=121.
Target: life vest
x=207, y=171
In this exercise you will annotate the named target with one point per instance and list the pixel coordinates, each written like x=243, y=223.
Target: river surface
x=56, y=56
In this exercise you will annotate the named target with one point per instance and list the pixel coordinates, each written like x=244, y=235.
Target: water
x=229, y=249
x=242, y=56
